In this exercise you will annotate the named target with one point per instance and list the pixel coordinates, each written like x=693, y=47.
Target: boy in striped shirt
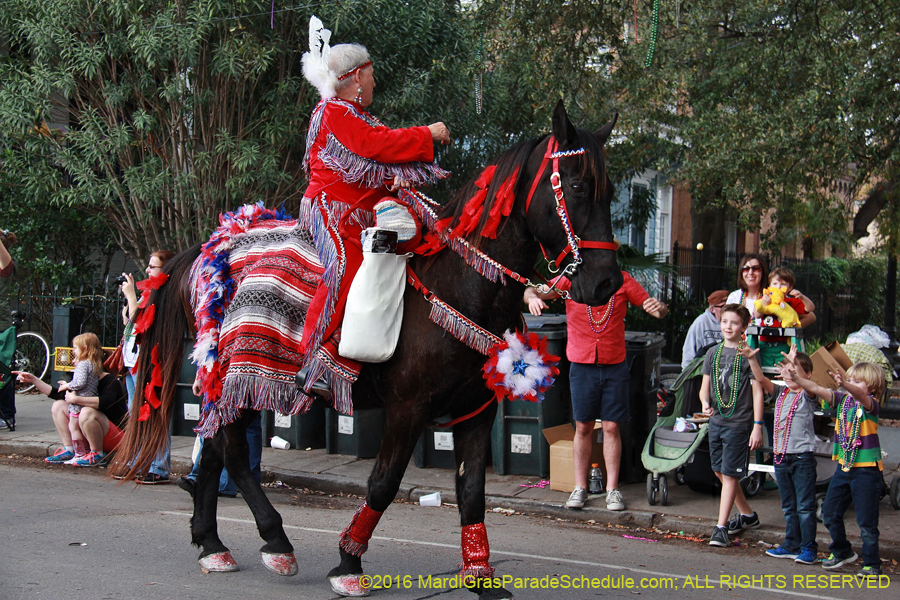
x=858, y=452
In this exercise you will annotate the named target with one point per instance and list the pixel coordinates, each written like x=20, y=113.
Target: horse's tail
x=168, y=321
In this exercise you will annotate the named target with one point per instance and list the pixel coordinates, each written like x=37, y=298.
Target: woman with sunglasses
x=753, y=276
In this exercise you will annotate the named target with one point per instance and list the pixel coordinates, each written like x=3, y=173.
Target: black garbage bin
x=517, y=442
x=643, y=355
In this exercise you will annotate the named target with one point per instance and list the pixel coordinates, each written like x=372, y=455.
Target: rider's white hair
x=326, y=67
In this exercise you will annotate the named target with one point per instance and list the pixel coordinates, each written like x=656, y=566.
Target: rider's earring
x=358, y=98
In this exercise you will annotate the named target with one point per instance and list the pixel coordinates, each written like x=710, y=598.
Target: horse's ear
x=603, y=133
x=563, y=130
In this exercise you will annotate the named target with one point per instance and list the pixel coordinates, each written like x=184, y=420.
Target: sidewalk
x=689, y=512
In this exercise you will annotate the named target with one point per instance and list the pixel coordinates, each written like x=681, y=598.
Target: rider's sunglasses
x=753, y=268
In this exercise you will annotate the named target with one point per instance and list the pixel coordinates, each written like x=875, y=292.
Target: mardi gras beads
x=731, y=403
x=850, y=416
x=785, y=429
x=604, y=320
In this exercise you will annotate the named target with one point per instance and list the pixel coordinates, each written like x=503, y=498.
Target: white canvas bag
x=374, y=309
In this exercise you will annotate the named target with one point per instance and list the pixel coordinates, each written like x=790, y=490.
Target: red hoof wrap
x=355, y=539
x=476, y=553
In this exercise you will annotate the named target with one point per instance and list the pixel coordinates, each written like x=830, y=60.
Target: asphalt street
x=74, y=534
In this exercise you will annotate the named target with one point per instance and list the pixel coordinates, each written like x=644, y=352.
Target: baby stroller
x=666, y=450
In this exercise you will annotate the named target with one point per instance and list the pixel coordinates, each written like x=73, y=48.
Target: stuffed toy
x=777, y=307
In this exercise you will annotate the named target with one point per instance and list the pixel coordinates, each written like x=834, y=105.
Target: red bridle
x=574, y=243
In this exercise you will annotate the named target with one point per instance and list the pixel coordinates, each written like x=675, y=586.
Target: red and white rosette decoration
x=520, y=367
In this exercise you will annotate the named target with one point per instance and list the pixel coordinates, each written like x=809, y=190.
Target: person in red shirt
x=353, y=163
x=598, y=377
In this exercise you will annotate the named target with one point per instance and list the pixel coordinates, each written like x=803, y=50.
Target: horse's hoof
x=283, y=564
x=220, y=562
x=354, y=586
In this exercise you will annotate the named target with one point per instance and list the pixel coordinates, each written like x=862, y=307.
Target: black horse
x=431, y=374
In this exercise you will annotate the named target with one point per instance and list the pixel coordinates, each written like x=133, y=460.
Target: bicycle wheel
x=32, y=355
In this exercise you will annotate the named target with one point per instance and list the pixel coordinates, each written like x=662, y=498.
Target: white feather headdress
x=315, y=62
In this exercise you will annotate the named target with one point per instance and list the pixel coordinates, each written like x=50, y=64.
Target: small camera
x=120, y=280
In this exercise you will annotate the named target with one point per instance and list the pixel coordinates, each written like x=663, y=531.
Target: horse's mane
x=164, y=340
x=512, y=162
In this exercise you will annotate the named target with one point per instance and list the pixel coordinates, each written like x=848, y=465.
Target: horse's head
x=569, y=212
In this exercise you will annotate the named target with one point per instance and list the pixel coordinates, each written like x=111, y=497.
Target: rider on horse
x=353, y=163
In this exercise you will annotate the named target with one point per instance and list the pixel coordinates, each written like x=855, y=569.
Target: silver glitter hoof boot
x=220, y=562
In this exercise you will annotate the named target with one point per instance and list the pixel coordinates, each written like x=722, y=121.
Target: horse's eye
x=577, y=188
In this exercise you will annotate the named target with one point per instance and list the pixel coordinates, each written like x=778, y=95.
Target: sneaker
x=614, y=500
x=739, y=523
x=807, y=557
x=719, y=537
x=869, y=573
x=61, y=456
x=833, y=562
x=152, y=479
x=781, y=552
x=187, y=484
x=91, y=459
x=577, y=498
x=75, y=457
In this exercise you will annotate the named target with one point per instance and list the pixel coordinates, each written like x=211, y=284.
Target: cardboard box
x=830, y=357
x=562, y=465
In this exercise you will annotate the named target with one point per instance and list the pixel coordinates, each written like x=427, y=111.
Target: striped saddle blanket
x=252, y=286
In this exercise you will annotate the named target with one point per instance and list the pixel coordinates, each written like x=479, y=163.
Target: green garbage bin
x=306, y=430
x=435, y=449
x=358, y=435
x=643, y=354
x=518, y=445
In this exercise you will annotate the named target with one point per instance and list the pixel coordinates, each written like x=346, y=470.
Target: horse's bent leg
x=277, y=553
x=401, y=432
x=472, y=443
x=214, y=556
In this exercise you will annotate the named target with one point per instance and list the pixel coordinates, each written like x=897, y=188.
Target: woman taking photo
x=159, y=469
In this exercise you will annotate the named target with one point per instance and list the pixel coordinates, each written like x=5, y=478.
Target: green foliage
x=834, y=273
x=157, y=116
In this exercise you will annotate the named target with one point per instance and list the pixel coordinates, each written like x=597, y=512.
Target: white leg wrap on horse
x=220, y=562
x=395, y=216
x=283, y=564
x=353, y=586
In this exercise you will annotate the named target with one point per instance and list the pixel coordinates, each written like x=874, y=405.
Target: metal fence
x=94, y=307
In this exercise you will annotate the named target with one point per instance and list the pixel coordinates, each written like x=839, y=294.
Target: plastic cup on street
x=280, y=443
x=430, y=499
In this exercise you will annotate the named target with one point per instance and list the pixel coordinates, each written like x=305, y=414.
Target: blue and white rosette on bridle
x=520, y=367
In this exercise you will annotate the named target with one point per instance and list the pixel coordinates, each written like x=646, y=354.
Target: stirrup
x=319, y=388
